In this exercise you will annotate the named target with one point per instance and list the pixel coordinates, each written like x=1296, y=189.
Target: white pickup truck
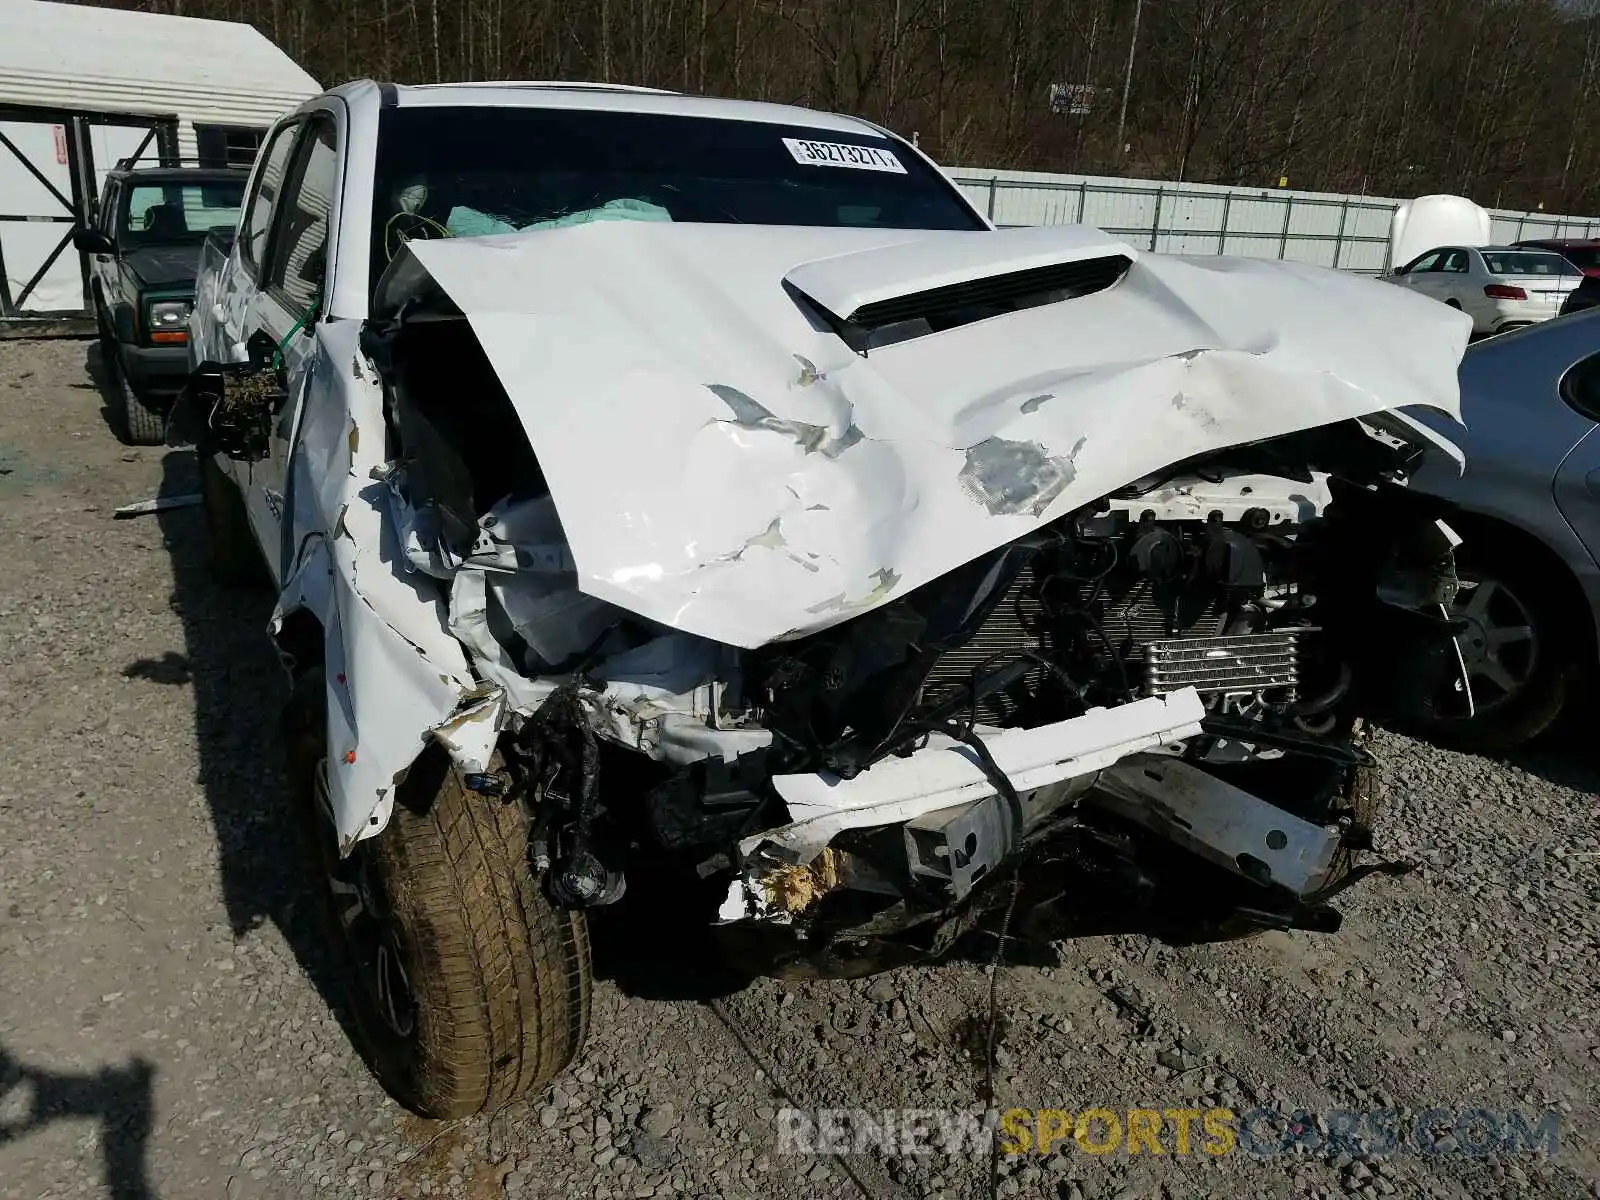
x=702, y=501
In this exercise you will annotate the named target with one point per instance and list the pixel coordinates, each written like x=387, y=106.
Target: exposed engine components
x=557, y=750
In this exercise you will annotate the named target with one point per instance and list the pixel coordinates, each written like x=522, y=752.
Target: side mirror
x=228, y=407
x=92, y=241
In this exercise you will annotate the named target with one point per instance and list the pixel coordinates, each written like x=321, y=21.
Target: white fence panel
x=1326, y=228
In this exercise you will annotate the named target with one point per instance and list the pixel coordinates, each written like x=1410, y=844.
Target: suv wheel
x=137, y=422
x=469, y=988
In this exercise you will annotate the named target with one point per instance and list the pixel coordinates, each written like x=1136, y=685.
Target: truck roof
x=181, y=174
x=592, y=96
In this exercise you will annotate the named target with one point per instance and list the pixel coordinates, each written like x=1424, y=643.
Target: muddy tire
x=468, y=988
x=235, y=560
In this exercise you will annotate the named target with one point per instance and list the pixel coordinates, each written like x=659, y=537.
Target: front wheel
x=469, y=988
x=138, y=422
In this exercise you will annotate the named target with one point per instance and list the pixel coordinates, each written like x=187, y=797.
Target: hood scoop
x=918, y=314
x=894, y=293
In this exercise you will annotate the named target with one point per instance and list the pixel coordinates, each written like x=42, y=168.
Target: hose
x=1322, y=703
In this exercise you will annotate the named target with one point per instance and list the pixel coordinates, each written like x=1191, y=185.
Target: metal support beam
x=1338, y=238
x=49, y=262
x=35, y=172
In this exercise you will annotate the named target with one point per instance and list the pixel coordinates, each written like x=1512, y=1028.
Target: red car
x=1583, y=253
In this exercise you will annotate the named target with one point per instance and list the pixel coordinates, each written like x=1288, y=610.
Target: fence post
x=1155, y=224
x=1083, y=199
x=1338, y=238
x=994, y=182
x=1283, y=237
x=1222, y=234
x=1522, y=223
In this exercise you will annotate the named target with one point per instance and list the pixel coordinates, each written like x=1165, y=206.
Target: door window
x=178, y=213
x=1455, y=261
x=1427, y=262
x=264, y=200
x=298, y=261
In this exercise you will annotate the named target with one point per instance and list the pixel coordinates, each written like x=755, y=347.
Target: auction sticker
x=840, y=154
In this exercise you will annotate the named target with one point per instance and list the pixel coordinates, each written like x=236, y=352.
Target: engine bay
x=873, y=628
x=1249, y=588
x=1250, y=619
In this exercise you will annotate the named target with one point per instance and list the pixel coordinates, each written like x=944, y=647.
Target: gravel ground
x=168, y=1028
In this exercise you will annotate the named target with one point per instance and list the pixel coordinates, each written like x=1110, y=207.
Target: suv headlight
x=169, y=321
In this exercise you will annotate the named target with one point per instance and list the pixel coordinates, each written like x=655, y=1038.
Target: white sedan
x=1500, y=287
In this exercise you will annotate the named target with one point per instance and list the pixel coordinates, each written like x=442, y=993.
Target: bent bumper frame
x=946, y=774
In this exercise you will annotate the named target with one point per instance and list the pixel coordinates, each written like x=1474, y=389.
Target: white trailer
x=82, y=88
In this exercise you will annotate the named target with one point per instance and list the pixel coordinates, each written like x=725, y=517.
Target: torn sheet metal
x=519, y=567
x=725, y=465
x=393, y=670
x=531, y=575
x=659, y=696
x=471, y=734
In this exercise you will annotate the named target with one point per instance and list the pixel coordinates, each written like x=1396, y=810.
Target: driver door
x=281, y=264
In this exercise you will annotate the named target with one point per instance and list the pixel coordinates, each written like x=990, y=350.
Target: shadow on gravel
x=656, y=943
x=239, y=689
x=169, y=668
x=120, y=1098
x=94, y=366
x=1566, y=756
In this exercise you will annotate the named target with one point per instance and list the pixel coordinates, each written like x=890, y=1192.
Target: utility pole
x=1127, y=78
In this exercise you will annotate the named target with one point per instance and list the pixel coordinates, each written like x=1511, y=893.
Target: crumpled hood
x=725, y=464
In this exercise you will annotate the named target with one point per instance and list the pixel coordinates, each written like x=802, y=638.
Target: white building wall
x=110, y=60
x=58, y=59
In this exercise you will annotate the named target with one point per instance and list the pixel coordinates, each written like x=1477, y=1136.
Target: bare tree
x=1378, y=96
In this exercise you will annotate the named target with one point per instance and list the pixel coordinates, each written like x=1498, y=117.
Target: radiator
x=1246, y=662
